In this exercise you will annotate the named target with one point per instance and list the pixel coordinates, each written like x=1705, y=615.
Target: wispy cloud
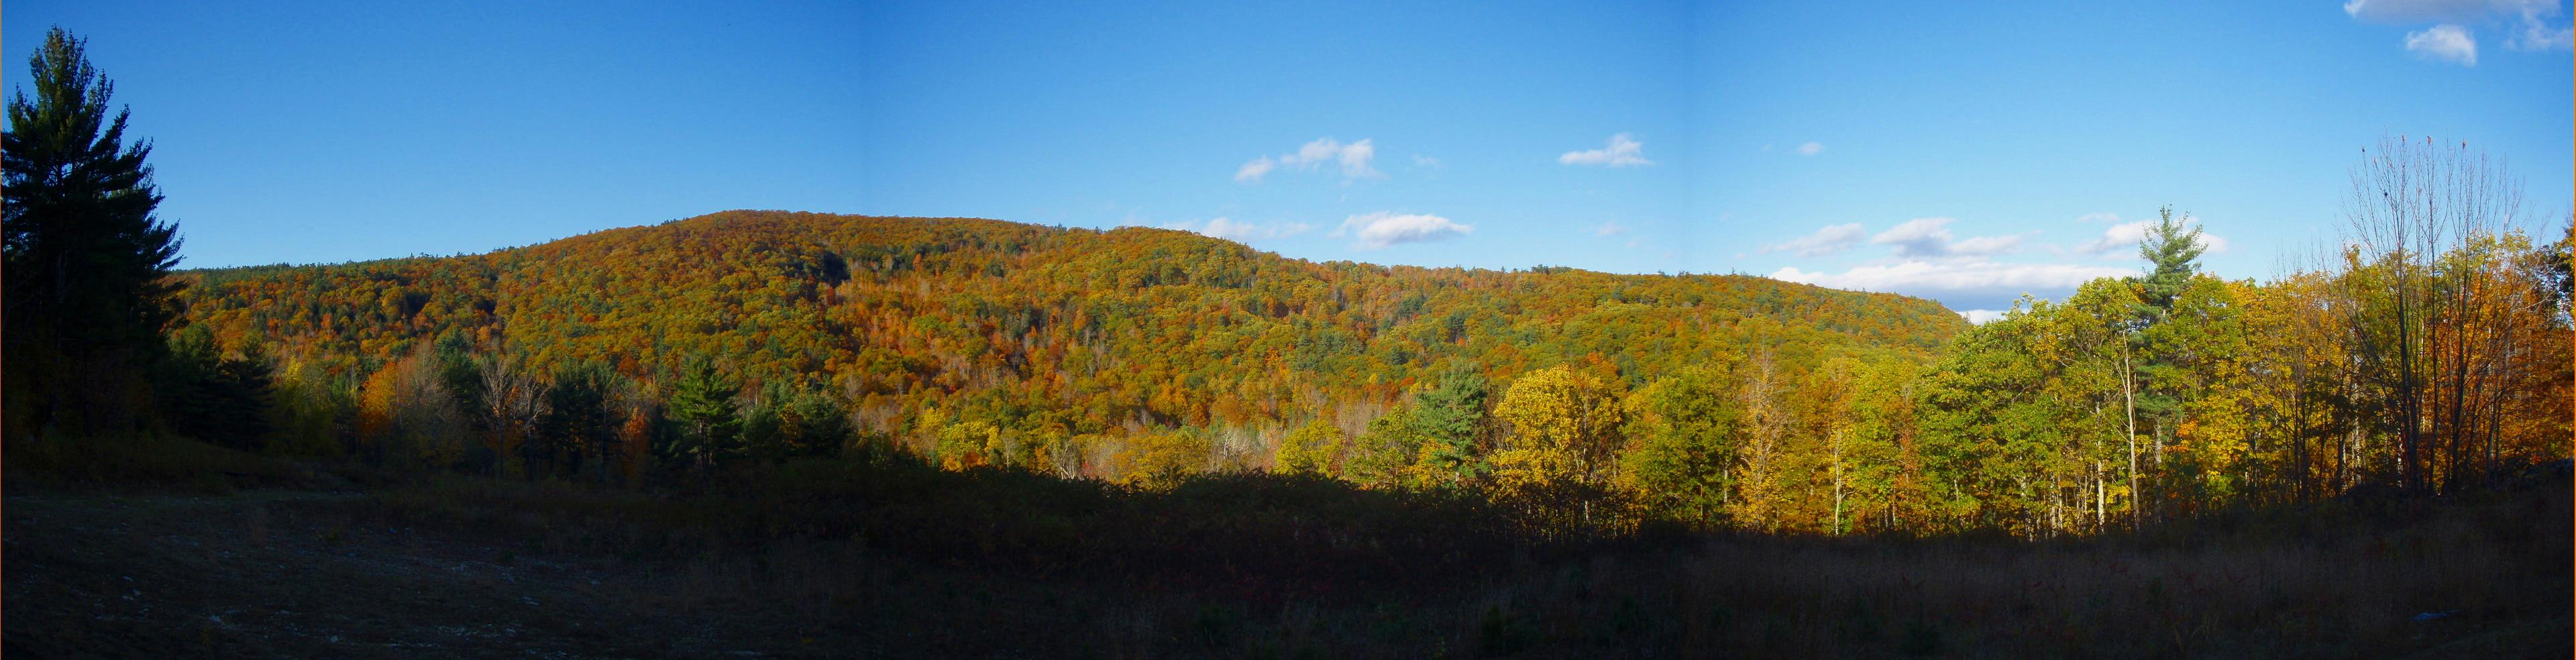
x=1811, y=148
x=1240, y=231
x=2529, y=25
x=1622, y=151
x=1931, y=237
x=1253, y=171
x=1832, y=239
x=1378, y=230
x=1981, y=316
x=2444, y=42
x=1609, y=228
x=1427, y=162
x=1962, y=282
x=2126, y=235
x=1354, y=160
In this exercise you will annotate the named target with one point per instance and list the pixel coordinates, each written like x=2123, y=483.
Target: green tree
x=1685, y=429
x=710, y=421
x=2172, y=248
x=1882, y=467
x=577, y=423
x=87, y=291
x=1449, y=419
x=1382, y=453
x=214, y=398
x=819, y=427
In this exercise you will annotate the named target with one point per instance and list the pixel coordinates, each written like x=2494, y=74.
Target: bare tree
x=2412, y=203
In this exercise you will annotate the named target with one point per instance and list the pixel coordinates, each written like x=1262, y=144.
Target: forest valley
x=760, y=429
x=662, y=354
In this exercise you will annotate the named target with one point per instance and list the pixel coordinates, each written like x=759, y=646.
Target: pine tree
x=2173, y=248
x=1450, y=418
x=711, y=423
x=86, y=295
x=577, y=422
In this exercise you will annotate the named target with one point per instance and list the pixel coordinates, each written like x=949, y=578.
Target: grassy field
x=888, y=557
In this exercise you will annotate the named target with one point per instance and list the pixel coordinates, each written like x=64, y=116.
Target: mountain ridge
x=1041, y=329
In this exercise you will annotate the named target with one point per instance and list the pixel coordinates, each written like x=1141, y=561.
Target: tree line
x=2426, y=353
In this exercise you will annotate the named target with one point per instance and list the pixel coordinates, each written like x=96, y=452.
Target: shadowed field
x=895, y=559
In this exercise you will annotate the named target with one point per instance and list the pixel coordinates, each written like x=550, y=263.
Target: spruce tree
x=87, y=294
x=711, y=423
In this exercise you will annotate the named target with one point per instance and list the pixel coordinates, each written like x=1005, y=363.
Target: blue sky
x=1963, y=153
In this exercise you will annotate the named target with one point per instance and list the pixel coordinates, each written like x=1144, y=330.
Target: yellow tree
x=1563, y=428
x=1315, y=448
x=2216, y=434
x=1767, y=424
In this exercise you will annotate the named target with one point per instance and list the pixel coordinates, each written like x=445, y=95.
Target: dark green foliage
x=578, y=428
x=214, y=398
x=820, y=428
x=87, y=294
x=2173, y=249
x=711, y=423
x=764, y=432
x=1687, y=430
x=1450, y=419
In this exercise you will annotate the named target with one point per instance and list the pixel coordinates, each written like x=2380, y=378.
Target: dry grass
x=892, y=558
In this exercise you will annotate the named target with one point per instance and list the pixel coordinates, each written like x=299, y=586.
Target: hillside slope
x=1033, y=329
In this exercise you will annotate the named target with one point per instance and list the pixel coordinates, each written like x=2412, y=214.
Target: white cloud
x=2530, y=25
x=1354, y=159
x=1253, y=171
x=1982, y=316
x=1238, y=231
x=2537, y=35
x=1830, y=240
x=1811, y=148
x=1622, y=151
x=2404, y=12
x=1985, y=246
x=1919, y=237
x=1426, y=162
x=2098, y=217
x=1982, y=281
x=2125, y=236
x=2444, y=42
x=1610, y=228
x=1930, y=237
x=1381, y=229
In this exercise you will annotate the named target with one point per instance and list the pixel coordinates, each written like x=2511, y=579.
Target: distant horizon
x=1964, y=155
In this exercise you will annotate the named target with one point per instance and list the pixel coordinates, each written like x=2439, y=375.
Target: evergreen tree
x=821, y=426
x=213, y=398
x=710, y=422
x=1450, y=419
x=577, y=422
x=2173, y=248
x=765, y=430
x=87, y=294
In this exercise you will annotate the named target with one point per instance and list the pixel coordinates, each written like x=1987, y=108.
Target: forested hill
x=1029, y=327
